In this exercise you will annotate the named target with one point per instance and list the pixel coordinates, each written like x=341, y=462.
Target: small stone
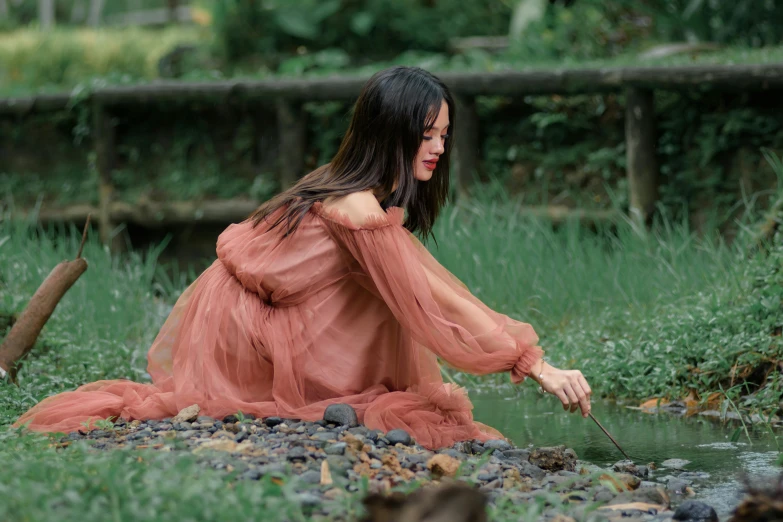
x=186, y=434
x=488, y=477
x=452, y=453
x=677, y=486
x=230, y=419
x=337, y=448
x=188, y=414
x=324, y=436
x=398, y=437
x=554, y=458
x=341, y=415
x=297, y=454
x=204, y=418
x=696, y=511
x=241, y=436
x=310, y=477
x=495, y=484
x=675, y=463
x=497, y=444
x=359, y=430
x=443, y=465
x=252, y=474
x=477, y=448
x=530, y=470
x=516, y=454
x=656, y=495
x=338, y=465
x=603, y=495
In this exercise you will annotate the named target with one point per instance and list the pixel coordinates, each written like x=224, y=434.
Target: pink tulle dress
x=334, y=313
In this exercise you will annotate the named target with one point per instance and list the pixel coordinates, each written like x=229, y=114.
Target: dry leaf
x=326, y=476
x=641, y=506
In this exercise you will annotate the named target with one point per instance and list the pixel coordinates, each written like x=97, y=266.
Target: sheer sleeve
x=433, y=305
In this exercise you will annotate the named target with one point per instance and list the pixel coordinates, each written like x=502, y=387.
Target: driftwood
x=446, y=503
x=152, y=214
x=25, y=332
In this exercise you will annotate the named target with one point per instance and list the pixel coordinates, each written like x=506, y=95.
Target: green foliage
x=591, y=29
x=100, y=329
x=63, y=58
x=362, y=30
x=657, y=314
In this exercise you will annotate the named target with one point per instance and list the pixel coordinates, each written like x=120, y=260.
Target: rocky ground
x=325, y=460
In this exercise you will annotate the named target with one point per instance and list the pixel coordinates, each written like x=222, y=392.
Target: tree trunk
x=96, y=12
x=641, y=158
x=46, y=13
x=173, y=7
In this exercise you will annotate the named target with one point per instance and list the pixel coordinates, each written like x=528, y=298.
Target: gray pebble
x=341, y=415
x=337, y=448
x=516, y=454
x=398, y=437
x=497, y=444
x=676, y=486
x=297, y=454
x=325, y=435
x=310, y=477
x=696, y=511
x=273, y=421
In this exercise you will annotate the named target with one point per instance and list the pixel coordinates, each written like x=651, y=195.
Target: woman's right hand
x=569, y=386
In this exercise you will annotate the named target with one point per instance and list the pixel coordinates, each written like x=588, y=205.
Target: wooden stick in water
x=610, y=437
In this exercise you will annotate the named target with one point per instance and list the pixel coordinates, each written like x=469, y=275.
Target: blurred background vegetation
x=546, y=149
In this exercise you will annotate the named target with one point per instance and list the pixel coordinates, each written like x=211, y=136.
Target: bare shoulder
x=359, y=206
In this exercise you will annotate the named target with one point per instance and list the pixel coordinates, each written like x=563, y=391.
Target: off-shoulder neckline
x=392, y=216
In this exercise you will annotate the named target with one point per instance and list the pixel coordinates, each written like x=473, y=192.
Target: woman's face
x=432, y=145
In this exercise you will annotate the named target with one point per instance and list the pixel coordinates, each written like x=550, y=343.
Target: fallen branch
x=25, y=332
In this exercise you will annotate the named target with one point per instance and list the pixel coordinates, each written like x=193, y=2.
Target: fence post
x=103, y=142
x=466, y=143
x=292, y=129
x=642, y=162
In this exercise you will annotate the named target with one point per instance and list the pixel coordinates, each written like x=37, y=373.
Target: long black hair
x=394, y=110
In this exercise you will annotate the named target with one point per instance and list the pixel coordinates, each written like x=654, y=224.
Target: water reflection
x=529, y=418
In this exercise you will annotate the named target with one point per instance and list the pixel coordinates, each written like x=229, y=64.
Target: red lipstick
x=430, y=164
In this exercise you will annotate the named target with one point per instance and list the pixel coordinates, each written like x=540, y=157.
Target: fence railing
x=288, y=96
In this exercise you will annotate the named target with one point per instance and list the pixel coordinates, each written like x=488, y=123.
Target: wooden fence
x=288, y=97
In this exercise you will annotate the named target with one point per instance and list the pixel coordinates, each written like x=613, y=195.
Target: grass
x=642, y=314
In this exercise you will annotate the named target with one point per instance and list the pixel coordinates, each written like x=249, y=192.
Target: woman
x=325, y=296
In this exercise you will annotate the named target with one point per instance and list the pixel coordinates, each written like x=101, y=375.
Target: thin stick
x=610, y=437
x=84, y=236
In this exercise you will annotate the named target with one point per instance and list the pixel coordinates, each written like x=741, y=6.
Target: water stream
x=529, y=418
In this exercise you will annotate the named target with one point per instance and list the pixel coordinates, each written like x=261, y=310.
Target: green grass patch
x=641, y=313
